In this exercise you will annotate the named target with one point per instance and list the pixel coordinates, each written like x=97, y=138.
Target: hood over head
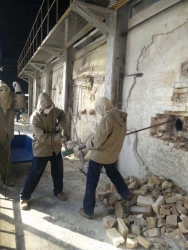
x=103, y=104
x=5, y=97
x=17, y=87
x=43, y=101
x=14, y=83
x=4, y=87
x=119, y=115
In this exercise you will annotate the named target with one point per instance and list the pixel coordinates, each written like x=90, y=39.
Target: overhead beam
x=40, y=64
x=86, y=37
x=80, y=34
x=52, y=48
x=29, y=74
x=28, y=71
x=119, y=4
x=94, y=7
x=38, y=68
x=53, y=53
x=24, y=78
x=91, y=18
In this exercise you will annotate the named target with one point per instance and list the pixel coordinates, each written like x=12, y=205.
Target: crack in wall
x=130, y=91
x=135, y=143
x=140, y=161
x=145, y=48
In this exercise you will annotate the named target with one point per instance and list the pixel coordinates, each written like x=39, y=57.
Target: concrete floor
x=50, y=223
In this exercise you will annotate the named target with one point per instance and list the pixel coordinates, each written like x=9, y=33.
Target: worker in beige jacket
x=7, y=107
x=45, y=121
x=106, y=145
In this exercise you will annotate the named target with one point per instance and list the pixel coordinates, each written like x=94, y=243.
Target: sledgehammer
x=136, y=131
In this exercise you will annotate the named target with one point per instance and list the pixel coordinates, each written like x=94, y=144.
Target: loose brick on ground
x=131, y=241
x=147, y=211
x=181, y=209
x=145, y=243
x=115, y=236
x=122, y=228
x=108, y=222
x=151, y=222
x=171, y=221
x=158, y=202
x=153, y=232
x=144, y=201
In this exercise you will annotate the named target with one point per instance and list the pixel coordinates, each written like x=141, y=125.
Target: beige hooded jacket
x=7, y=106
x=108, y=139
x=46, y=140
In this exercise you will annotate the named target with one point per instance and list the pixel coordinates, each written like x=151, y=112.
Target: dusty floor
x=50, y=223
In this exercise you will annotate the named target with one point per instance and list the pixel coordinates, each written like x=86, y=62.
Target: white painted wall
x=89, y=66
x=155, y=48
x=42, y=83
x=86, y=123
x=57, y=85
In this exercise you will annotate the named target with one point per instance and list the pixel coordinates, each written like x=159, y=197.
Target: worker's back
x=112, y=128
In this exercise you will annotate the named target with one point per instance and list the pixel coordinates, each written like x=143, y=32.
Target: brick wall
x=157, y=48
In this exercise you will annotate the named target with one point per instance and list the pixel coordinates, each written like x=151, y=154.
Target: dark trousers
x=93, y=175
x=17, y=114
x=37, y=169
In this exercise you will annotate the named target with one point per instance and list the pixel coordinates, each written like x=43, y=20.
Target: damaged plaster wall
x=89, y=77
x=57, y=85
x=56, y=78
x=91, y=63
x=157, y=48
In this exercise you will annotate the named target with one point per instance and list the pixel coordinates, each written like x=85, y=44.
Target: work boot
x=10, y=182
x=62, y=196
x=129, y=198
x=82, y=213
x=24, y=204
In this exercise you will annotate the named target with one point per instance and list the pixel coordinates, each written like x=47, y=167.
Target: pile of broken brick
x=157, y=208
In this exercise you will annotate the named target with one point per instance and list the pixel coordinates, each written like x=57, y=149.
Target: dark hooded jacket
x=108, y=139
x=46, y=140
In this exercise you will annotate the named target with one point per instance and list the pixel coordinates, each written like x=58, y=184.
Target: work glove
x=58, y=128
x=57, y=139
x=63, y=139
x=17, y=87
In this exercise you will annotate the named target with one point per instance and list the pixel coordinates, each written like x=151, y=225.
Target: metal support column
x=67, y=86
x=37, y=88
x=48, y=79
x=30, y=97
x=115, y=57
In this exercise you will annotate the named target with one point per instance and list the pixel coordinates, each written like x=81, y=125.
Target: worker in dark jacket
x=45, y=121
x=106, y=145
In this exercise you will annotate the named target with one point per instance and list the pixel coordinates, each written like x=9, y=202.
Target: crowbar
x=136, y=131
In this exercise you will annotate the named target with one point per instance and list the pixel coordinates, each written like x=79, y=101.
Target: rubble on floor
x=158, y=209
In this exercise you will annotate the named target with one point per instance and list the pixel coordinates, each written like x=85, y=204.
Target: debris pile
x=157, y=208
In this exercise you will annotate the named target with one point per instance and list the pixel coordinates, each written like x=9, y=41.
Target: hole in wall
x=178, y=125
x=169, y=132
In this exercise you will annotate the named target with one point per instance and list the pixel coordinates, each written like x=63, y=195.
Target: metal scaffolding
x=53, y=31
